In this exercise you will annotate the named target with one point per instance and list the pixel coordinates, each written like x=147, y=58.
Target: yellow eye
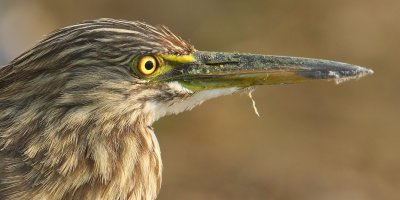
x=147, y=65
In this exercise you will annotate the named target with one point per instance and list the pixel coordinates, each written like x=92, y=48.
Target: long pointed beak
x=221, y=70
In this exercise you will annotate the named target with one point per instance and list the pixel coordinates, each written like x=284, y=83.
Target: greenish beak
x=210, y=70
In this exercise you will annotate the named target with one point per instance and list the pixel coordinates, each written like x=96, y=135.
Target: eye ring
x=147, y=65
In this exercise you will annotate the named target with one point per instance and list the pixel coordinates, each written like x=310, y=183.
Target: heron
x=76, y=110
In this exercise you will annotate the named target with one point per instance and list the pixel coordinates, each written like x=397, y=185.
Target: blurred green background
x=312, y=141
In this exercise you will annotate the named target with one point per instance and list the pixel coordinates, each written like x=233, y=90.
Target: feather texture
x=72, y=123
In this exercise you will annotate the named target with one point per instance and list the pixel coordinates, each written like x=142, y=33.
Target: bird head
x=84, y=97
x=123, y=66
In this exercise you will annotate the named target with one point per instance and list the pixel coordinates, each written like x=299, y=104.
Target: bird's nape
x=76, y=110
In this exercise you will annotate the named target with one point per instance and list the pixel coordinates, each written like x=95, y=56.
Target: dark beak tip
x=368, y=72
x=361, y=71
x=356, y=73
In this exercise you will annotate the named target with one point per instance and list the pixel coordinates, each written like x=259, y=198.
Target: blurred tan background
x=316, y=141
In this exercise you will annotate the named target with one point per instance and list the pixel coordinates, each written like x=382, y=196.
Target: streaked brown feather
x=72, y=124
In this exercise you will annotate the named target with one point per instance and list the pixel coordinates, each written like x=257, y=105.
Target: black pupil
x=148, y=65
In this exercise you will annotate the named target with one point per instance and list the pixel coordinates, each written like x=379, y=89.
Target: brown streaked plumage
x=76, y=113
x=71, y=128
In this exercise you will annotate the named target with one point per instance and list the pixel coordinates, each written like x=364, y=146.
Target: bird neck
x=120, y=162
